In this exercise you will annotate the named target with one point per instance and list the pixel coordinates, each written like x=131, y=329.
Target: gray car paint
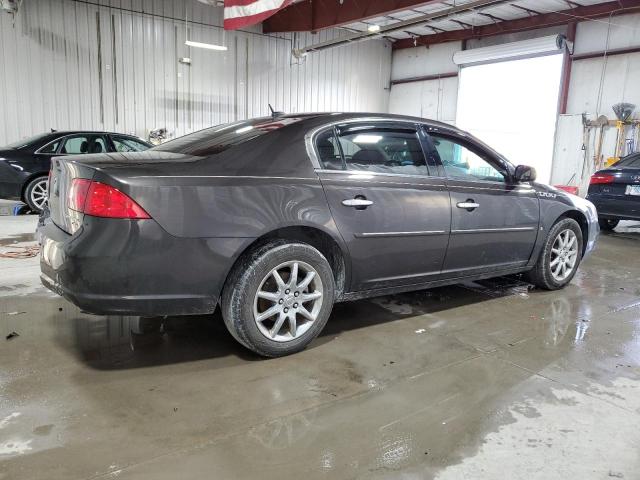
x=207, y=211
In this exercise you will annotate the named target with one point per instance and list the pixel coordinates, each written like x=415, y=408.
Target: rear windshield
x=632, y=161
x=25, y=142
x=213, y=140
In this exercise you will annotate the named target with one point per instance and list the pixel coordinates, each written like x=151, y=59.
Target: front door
x=389, y=206
x=494, y=222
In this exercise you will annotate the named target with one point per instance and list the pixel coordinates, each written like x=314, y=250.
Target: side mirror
x=525, y=174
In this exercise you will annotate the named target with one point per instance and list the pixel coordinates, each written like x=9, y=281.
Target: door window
x=461, y=163
x=82, y=144
x=383, y=150
x=128, y=144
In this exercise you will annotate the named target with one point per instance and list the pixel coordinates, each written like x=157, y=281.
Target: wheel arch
x=33, y=176
x=579, y=217
x=323, y=241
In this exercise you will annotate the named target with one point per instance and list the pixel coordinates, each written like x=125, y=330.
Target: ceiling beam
x=311, y=16
x=543, y=20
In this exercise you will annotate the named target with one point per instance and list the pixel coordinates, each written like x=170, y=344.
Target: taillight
x=600, y=178
x=102, y=200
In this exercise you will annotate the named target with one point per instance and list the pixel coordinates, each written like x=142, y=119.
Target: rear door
x=389, y=205
x=494, y=222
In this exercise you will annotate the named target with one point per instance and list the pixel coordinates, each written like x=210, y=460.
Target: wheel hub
x=288, y=301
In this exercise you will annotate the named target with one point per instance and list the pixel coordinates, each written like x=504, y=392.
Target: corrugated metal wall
x=113, y=65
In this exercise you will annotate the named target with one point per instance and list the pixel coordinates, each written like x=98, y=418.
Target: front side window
x=383, y=150
x=462, y=163
x=128, y=144
x=83, y=144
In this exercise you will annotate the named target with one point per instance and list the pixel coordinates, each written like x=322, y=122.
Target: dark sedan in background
x=615, y=191
x=24, y=165
x=275, y=219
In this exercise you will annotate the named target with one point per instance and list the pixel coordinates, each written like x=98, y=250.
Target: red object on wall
x=568, y=188
x=242, y=13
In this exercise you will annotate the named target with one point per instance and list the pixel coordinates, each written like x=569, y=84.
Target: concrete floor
x=483, y=380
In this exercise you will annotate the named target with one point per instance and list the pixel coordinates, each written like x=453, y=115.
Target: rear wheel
x=278, y=299
x=560, y=256
x=35, y=195
x=608, y=224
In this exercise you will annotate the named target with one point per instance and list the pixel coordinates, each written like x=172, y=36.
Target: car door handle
x=358, y=203
x=468, y=205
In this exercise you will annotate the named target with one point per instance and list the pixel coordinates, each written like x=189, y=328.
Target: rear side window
x=329, y=151
x=50, y=148
x=383, y=150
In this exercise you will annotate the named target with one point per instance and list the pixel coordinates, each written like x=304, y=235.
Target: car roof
x=333, y=117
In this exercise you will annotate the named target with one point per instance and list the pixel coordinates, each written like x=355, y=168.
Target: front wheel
x=560, y=256
x=36, y=192
x=278, y=298
x=608, y=224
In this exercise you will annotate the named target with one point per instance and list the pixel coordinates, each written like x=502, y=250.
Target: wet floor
x=481, y=380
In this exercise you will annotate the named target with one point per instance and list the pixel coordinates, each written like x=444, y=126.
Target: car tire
x=299, y=312
x=34, y=191
x=554, y=253
x=608, y=224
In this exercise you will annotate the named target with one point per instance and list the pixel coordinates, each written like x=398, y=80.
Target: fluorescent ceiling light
x=373, y=28
x=367, y=139
x=245, y=129
x=208, y=46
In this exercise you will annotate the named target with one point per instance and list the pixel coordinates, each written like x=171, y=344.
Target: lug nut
x=281, y=301
x=287, y=291
x=295, y=305
x=296, y=294
x=286, y=310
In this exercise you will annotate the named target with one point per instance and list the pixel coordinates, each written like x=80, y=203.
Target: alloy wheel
x=288, y=301
x=564, y=254
x=38, y=195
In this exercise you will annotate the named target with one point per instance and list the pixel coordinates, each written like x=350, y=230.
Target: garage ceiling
x=445, y=20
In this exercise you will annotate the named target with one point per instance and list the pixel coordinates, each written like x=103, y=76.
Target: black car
x=275, y=219
x=24, y=165
x=615, y=191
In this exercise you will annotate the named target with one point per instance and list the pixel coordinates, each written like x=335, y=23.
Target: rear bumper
x=619, y=207
x=134, y=267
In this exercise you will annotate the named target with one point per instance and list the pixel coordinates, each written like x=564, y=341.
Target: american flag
x=242, y=13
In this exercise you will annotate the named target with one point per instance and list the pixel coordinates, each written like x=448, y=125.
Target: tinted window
x=211, y=141
x=328, y=151
x=632, y=161
x=128, y=144
x=383, y=150
x=82, y=144
x=50, y=148
x=463, y=163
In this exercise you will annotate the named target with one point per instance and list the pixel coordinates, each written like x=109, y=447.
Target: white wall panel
x=433, y=99
x=623, y=33
x=113, y=65
x=423, y=61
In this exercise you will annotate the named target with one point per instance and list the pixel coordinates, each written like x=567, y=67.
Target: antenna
x=274, y=113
